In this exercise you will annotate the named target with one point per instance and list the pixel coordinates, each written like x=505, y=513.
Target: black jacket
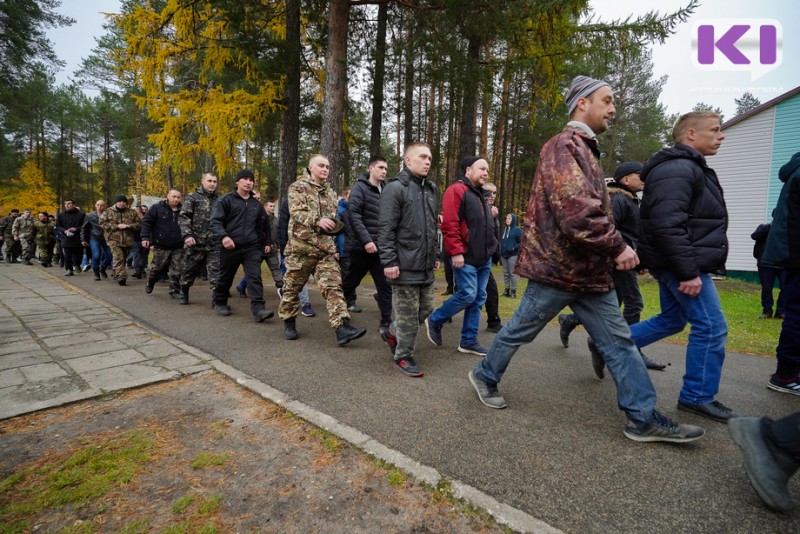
x=243, y=220
x=407, y=230
x=283, y=225
x=160, y=226
x=468, y=227
x=625, y=206
x=783, y=243
x=363, y=215
x=683, y=213
x=72, y=218
x=91, y=228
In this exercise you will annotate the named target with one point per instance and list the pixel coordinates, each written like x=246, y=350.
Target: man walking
x=7, y=235
x=120, y=224
x=239, y=225
x=569, y=247
x=311, y=249
x=363, y=217
x=69, y=223
x=409, y=249
x=22, y=231
x=470, y=239
x=195, y=224
x=92, y=236
x=44, y=238
x=683, y=242
x=162, y=233
x=271, y=258
x=493, y=321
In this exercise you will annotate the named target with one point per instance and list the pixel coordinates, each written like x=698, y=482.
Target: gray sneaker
x=488, y=395
x=662, y=428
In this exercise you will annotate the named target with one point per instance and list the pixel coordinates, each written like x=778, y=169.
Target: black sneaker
x=355, y=308
x=791, y=387
x=714, y=410
x=103, y=273
x=598, y=362
x=568, y=323
x=307, y=311
x=473, y=348
x=122, y=281
x=488, y=395
x=242, y=294
x=222, y=310
x=662, y=428
x=262, y=315
x=434, y=332
x=388, y=338
x=409, y=367
x=494, y=328
x=148, y=288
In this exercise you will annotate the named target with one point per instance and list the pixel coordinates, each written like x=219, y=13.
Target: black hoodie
x=683, y=214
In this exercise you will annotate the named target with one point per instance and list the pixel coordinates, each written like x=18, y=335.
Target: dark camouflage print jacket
x=195, y=216
x=114, y=216
x=308, y=203
x=43, y=232
x=568, y=239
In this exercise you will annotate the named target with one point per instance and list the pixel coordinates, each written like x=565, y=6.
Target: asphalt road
x=557, y=453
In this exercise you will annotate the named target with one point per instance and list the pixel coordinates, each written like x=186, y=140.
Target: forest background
x=189, y=85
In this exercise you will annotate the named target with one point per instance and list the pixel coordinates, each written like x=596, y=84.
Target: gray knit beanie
x=582, y=86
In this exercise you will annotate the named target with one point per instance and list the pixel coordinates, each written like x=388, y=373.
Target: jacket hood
x=513, y=220
x=789, y=168
x=679, y=151
x=620, y=189
x=405, y=176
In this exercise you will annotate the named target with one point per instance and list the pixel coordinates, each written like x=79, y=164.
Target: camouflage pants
x=166, y=261
x=45, y=252
x=119, y=255
x=27, y=248
x=10, y=248
x=193, y=260
x=412, y=305
x=329, y=279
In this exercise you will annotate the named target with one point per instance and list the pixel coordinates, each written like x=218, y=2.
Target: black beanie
x=467, y=162
x=120, y=198
x=245, y=173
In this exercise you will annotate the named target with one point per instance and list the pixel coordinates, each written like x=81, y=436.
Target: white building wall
x=743, y=165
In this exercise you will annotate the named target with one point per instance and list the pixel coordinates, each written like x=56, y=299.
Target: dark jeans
x=626, y=284
x=767, y=276
x=784, y=434
x=362, y=263
x=448, y=272
x=788, y=351
x=229, y=261
x=72, y=257
x=492, y=302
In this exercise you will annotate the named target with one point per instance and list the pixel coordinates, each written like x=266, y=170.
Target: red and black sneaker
x=388, y=338
x=409, y=367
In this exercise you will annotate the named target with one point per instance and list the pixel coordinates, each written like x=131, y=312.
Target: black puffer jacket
x=683, y=214
x=363, y=215
x=160, y=226
x=407, y=232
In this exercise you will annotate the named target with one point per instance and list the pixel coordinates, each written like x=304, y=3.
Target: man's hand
x=189, y=242
x=228, y=243
x=327, y=224
x=73, y=230
x=436, y=265
x=457, y=261
x=336, y=256
x=267, y=249
x=16, y=238
x=85, y=244
x=145, y=244
x=627, y=260
x=495, y=211
x=392, y=273
x=691, y=287
x=122, y=226
x=371, y=248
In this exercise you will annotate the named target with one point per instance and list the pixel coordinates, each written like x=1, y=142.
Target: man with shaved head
x=161, y=232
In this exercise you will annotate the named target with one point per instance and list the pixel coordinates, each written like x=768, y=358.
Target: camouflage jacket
x=114, y=216
x=43, y=232
x=569, y=240
x=6, y=226
x=23, y=227
x=195, y=216
x=308, y=203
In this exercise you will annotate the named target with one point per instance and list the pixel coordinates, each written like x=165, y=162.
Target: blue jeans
x=100, y=251
x=470, y=296
x=600, y=315
x=706, y=349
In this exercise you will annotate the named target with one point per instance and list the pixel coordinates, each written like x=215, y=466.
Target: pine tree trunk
x=290, y=120
x=378, y=81
x=469, y=110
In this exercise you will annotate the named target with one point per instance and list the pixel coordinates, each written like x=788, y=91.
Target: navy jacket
x=783, y=243
x=161, y=228
x=511, y=239
x=363, y=215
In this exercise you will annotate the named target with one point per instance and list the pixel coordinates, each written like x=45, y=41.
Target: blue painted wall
x=786, y=142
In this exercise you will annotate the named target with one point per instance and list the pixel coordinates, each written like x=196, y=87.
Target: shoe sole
x=470, y=351
x=304, y=314
x=651, y=439
x=412, y=375
x=475, y=386
x=428, y=330
x=744, y=440
x=780, y=389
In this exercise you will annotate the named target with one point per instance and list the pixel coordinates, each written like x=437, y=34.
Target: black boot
x=513, y=293
x=347, y=333
x=289, y=329
x=97, y=274
x=568, y=323
x=507, y=293
x=183, y=295
x=103, y=273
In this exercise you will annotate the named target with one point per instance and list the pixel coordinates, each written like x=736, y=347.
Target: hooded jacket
x=625, y=206
x=683, y=214
x=783, y=243
x=511, y=239
x=363, y=215
x=160, y=226
x=71, y=218
x=407, y=228
x=467, y=224
x=569, y=241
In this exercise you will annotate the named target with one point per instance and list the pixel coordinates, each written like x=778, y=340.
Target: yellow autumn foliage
x=29, y=190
